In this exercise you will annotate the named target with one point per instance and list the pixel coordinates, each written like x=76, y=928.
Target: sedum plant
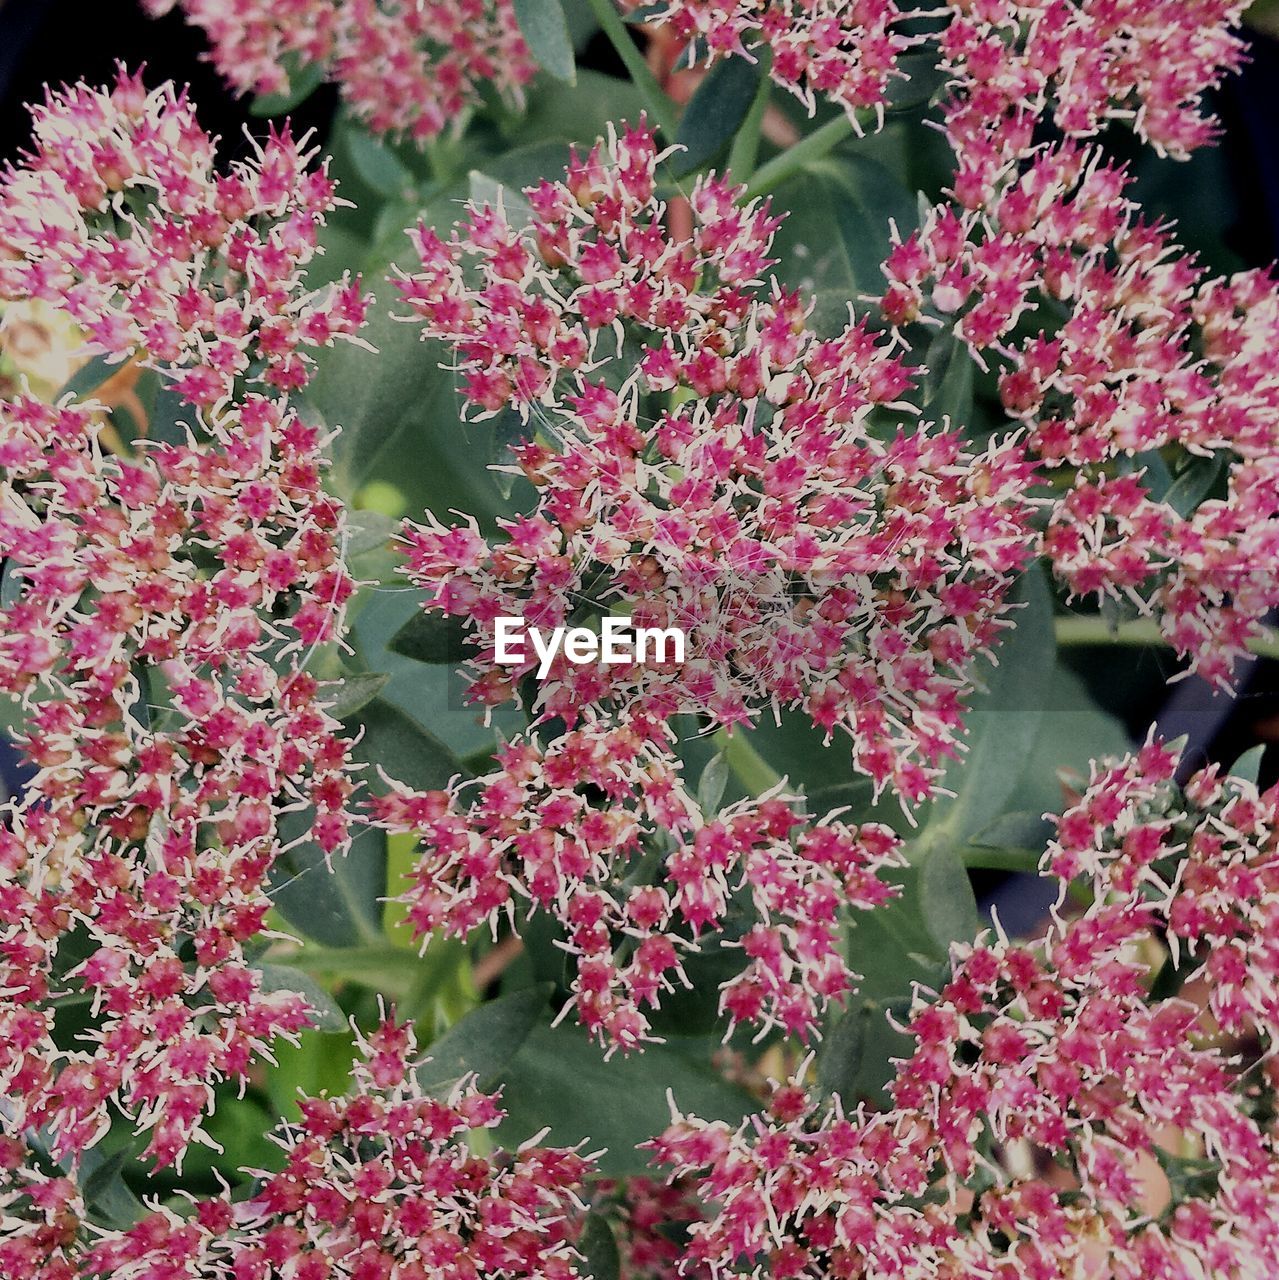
x=842, y=340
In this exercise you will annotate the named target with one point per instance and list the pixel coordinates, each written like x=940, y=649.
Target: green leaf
x=328, y=1013
x=367, y=964
x=946, y=897
x=711, y=785
x=485, y=1040
x=843, y=1047
x=1022, y=829
x=948, y=383
x=106, y=1195
x=88, y=378
x=354, y=692
x=432, y=637
x=396, y=742
x=715, y=113
x=368, y=531
x=395, y=403
x=857, y=796
x=11, y=583
x=377, y=164
x=1193, y=484
x=319, y=1063
x=580, y=113
x=1248, y=766
x=304, y=80
x=836, y=234
x=561, y=1080
x=337, y=902
x=892, y=949
x=169, y=416
x=1003, y=725
x=546, y=33
x=598, y=1247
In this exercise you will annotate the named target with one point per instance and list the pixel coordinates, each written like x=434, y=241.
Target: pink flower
x=1112, y=345
x=707, y=463
x=1204, y=857
x=526, y=838
x=408, y=67
x=846, y=51
x=166, y=601
x=1047, y=1086
x=1010, y=64
x=376, y=1183
x=118, y=218
x=720, y=475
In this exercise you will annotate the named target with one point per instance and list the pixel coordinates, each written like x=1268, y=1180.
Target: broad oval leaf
x=328, y=1013
x=598, y=1247
x=560, y=1080
x=545, y=31
x=431, y=637
x=715, y=113
x=485, y=1040
x=946, y=897
x=304, y=80
x=354, y=692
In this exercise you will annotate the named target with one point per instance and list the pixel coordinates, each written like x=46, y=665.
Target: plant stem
x=658, y=105
x=1025, y=860
x=748, y=766
x=813, y=147
x=744, y=152
x=1139, y=632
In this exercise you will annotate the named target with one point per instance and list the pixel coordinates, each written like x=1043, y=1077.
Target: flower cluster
x=1009, y=64
x=1079, y=64
x=119, y=219
x=408, y=67
x=1207, y=856
x=815, y=554
x=41, y=1218
x=1143, y=353
x=844, y=51
x=635, y=877
x=160, y=605
x=772, y=503
x=1053, y=1115
x=378, y=1183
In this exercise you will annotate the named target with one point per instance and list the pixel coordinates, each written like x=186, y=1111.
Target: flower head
x=119, y=218
x=408, y=67
x=163, y=598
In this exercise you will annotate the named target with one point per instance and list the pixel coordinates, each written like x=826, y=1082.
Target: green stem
x=744, y=152
x=748, y=766
x=771, y=175
x=1140, y=632
x=978, y=859
x=658, y=105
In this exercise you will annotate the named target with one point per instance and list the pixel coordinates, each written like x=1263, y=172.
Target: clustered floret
x=817, y=552
x=1010, y=65
x=161, y=603
x=1206, y=856
x=119, y=218
x=378, y=1183
x=845, y=51
x=528, y=837
x=1054, y=1115
x=408, y=67
x=703, y=458
x=1146, y=361
x=814, y=553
